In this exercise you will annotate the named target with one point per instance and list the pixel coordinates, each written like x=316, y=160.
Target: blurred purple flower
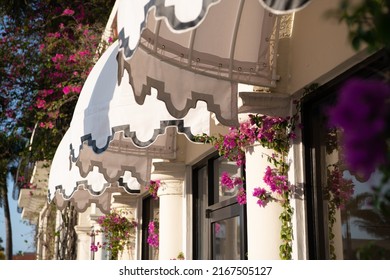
x=362, y=111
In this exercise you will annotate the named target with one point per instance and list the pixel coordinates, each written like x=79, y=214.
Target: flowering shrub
x=47, y=51
x=230, y=182
x=233, y=183
x=241, y=196
x=70, y=53
x=273, y=133
x=153, y=238
x=118, y=231
x=263, y=196
x=277, y=183
x=153, y=187
x=338, y=192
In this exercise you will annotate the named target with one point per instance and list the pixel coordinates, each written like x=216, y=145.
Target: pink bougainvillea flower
x=76, y=89
x=153, y=238
x=84, y=53
x=72, y=58
x=66, y=90
x=68, y=12
x=58, y=57
x=41, y=103
x=226, y=181
x=47, y=92
x=241, y=196
x=262, y=195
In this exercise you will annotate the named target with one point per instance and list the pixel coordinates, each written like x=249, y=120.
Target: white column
x=83, y=242
x=95, y=214
x=171, y=212
x=263, y=225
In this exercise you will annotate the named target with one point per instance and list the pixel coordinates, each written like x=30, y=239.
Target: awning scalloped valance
x=202, y=59
x=112, y=138
x=176, y=62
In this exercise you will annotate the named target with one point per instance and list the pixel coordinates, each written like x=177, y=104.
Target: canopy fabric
x=82, y=199
x=202, y=58
x=175, y=63
x=105, y=107
x=65, y=180
x=284, y=6
x=112, y=140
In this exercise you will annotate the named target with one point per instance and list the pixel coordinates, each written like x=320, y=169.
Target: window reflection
x=221, y=166
x=219, y=221
x=356, y=228
x=226, y=239
x=366, y=228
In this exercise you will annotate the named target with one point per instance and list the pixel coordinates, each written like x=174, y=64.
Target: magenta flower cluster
x=94, y=247
x=153, y=238
x=118, y=232
x=277, y=183
x=66, y=68
x=362, y=111
x=153, y=187
x=230, y=182
x=269, y=131
x=262, y=195
x=241, y=196
x=339, y=188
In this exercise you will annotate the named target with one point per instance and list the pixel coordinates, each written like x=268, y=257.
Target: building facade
x=197, y=217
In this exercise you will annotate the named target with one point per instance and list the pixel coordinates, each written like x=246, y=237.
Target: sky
x=21, y=232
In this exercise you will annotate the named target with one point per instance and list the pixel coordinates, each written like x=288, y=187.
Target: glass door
x=226, y=233
x=219, y=221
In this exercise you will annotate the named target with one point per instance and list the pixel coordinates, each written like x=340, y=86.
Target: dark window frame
x=215, y=208
x=326, y=94
x=148, y=203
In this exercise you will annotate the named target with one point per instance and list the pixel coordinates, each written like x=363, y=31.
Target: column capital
x=83, y=229
x=272, y=104
x=122, y=199
x=172, y=187
x=167, y=171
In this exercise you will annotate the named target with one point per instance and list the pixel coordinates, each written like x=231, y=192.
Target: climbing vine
x=276, y=134
x=273, y=133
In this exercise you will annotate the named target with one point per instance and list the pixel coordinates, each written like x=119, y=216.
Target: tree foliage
x=47, y=48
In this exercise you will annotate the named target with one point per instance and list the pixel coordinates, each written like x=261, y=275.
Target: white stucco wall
x=318, y=49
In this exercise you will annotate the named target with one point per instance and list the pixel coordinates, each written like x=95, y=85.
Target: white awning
x=176, y=63
x=196, y=50
x=66, y=183
x=113, y=139
x=105, y=107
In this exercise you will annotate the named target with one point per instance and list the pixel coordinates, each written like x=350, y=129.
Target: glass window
x=342, y=221
x=226, y=235
x=219, y=221
x=221, y=165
